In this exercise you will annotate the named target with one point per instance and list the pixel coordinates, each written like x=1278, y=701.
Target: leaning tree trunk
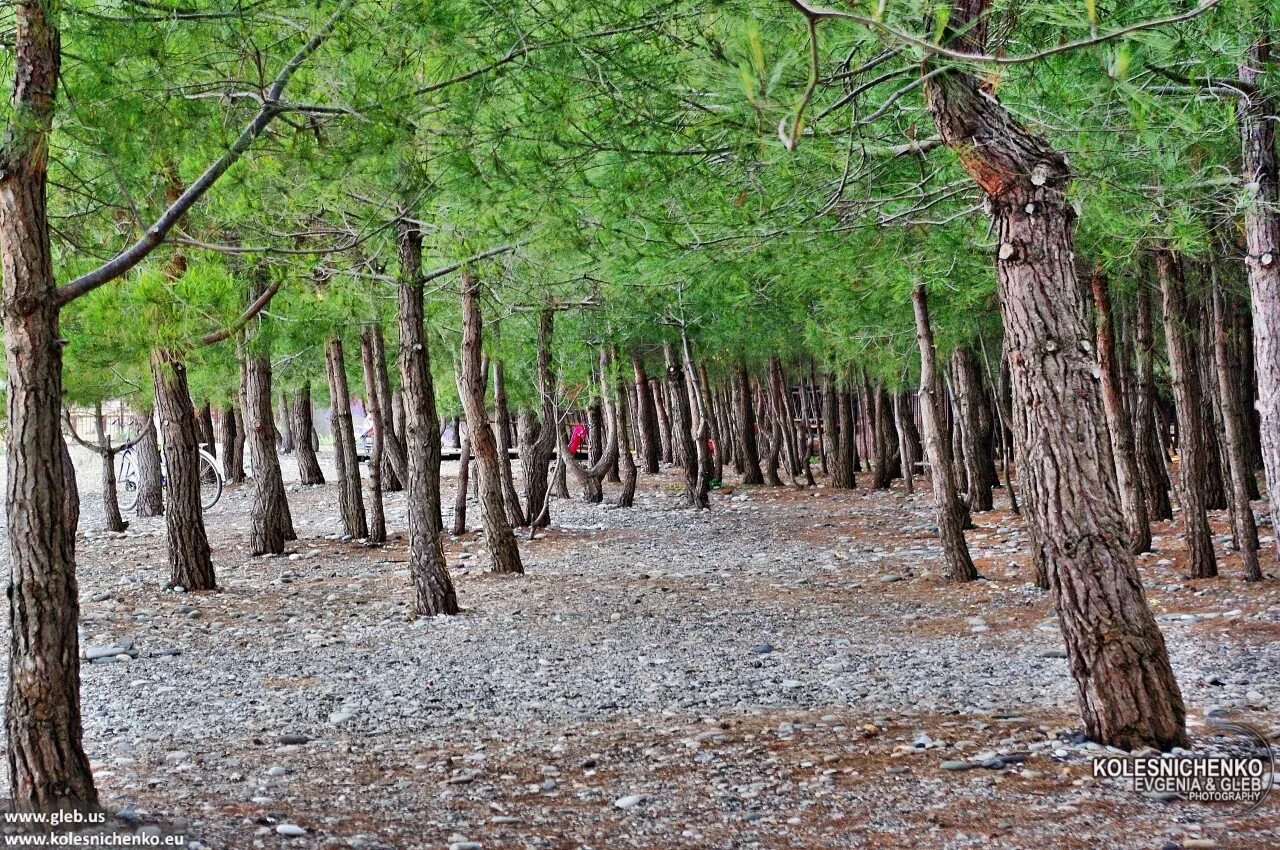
x=1257, y=118
x=949, y=513
x=377, y=516
x=1127, y=692
x=464, y=482
x=1243, y=525
x=393, y=459
x=270, y=522
x=666, y=443
x=498, y=535
x=1188, y=402
x=147, y=460
x=1133, y=502
x=433, y=587
x=1146, y=440
x=751, y=473
x=190, y=565
x=309, y=471
x=350, y=495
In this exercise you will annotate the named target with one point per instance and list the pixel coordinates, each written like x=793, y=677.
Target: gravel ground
x=787, y=670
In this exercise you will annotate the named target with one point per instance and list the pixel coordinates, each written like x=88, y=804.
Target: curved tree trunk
x=1133, y=502
x=1127, y=692
x=190, y=565
x=309, y=471
x=433, y=587
x=350, y=493
x=147, y=459
x=270, y=522
x=498, y=535
x=949, y=515
x=377, y=516
x=1188, y=402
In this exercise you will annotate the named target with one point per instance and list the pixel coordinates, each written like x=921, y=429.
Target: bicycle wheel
x=127, y=483
x=210, y=482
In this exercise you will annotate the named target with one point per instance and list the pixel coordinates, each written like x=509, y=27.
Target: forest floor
x=786, y=670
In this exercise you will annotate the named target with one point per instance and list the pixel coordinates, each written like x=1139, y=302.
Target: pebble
x=290, y=830
x=630, y=801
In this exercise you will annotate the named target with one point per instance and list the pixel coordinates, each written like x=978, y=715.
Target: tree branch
x=255, y=308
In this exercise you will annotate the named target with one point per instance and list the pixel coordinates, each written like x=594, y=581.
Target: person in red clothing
x=575, y=439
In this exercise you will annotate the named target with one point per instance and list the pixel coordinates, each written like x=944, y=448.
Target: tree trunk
x=666, y=443
x=650, y=443
x=626, y=463
x=1133, y=502
x=681, y=425
x=433, y=587
x=393, y=458
x=147, y=459
x=207, y=438
x=368, y=360
x=47, y=763
x=950, y=516
x=1127, y=692
x=900, y=417
x=190, y=565
x=350, y=493
x=286, y=425
x=831, y=435
x=1188, y=402
x=309, y=471
x=747, y=428
x=498, y=536
x=846, y=476
x=502, y=418
x=270, y=522
x=1243, y=525
x=968, y=385
x=1146, y=438
x=702, y=432
x=464, y=480
x=885, y=439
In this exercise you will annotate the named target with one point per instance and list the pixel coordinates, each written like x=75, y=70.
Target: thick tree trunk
x=885, y=439
x=147, y=459
x=270, y=522
x=46, y=759
x=190, y=565
x=1257, y=119
x=539, y=439
x=309, y=471
x=433, y=587
x=1127, y=692
x=355, y=524
x=846, y=477
x=498, y=535
x=950, y=516
x=626, y=463
x=1146, y=438
x=831, y=435
x=368, y=361
x=1188, y=402
x=1133, y=501
x=650, y=442
x=751, y=473
x=1243, y=526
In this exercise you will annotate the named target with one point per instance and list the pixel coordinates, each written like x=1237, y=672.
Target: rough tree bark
x=900, y=417
x=190, y=565
x=1243, y=525
x=946, y=502
x=464, y=483
x=848, y=448
x=373, y=396
x=968, y=386
x=502, y=424
x=309, y=471
x=702, y=433
x=271, y=523
x=393, y=459
x=147, y=459
x=433, y=587
x=103, y=448
x=1127, y=692
x=207, y=437
x=1133, y=501
x=1188, y=402
x=498, y=535
x=746, y=418
x=682, y=425
x=286, y=425
x=646, y=415
x=350, y=494
x=1146, y=440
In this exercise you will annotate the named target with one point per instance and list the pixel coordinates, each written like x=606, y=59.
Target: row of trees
x=692, y=225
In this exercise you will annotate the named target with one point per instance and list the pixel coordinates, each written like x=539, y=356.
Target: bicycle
x=210, y=479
